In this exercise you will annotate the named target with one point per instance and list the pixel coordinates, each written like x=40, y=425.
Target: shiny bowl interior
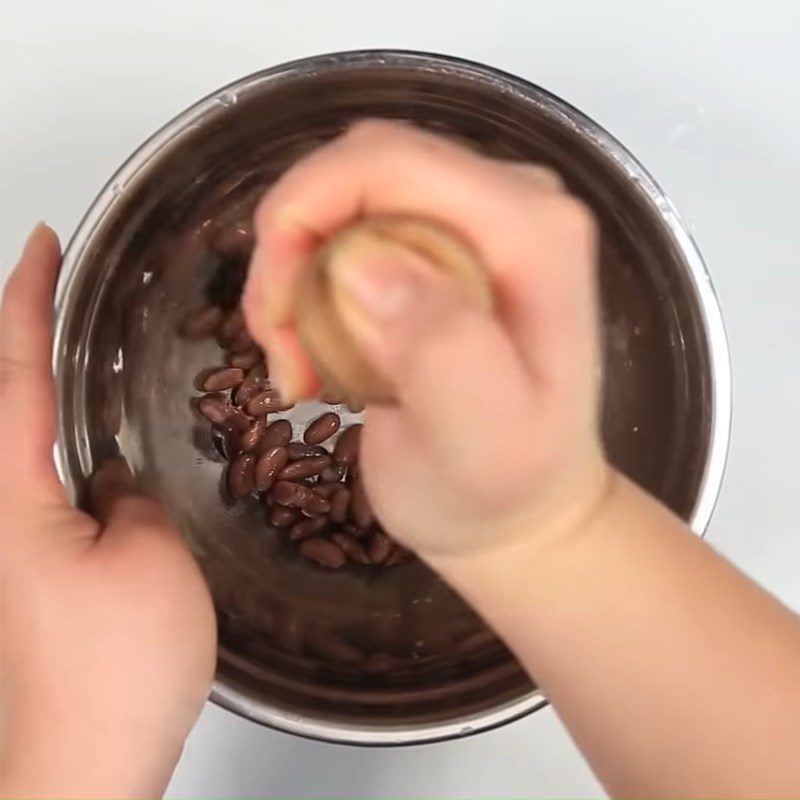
x=357, y=655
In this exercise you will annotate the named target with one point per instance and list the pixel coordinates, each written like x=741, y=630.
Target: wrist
x=532, y=585
x=82, y=757
x=535, y=535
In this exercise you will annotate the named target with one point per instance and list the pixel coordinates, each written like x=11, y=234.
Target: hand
x=490, y=466
x=108, y=635
x=495, y=433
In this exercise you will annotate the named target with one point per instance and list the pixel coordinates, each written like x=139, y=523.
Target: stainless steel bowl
x=350, y=656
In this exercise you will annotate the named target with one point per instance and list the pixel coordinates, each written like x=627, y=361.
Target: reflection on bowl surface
x=361, y=655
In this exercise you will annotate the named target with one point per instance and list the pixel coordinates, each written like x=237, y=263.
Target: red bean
x=265, y=402
x=278, y=434
x=326, y=488
x=299, y=450
x=347, y=445
x=353, y=530
x=252, y=385
x=380, y=547
x=282, y=517
x=232, y=326
x=270, y=463
x=241, y=475
x=323, y=552
x=201, y=322
x=231, y=239
x=252, y=436
x=223, y=378
x=335, y=472
x=246, y=360
x=340, y=504
x=241, y=344
x=307, y=528
x=322, y=428
x=352, y=548
x=304, y=468
x=297, y=495
x=214, y=407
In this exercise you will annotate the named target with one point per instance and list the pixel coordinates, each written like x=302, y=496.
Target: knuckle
x=371, y=129
x=573, y=217
x=537, y=175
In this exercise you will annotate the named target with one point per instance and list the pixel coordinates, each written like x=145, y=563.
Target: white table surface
x=704, y=93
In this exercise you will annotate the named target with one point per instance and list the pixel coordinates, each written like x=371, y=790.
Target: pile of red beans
x=311, y=486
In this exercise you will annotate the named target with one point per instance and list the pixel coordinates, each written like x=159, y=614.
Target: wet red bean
x=316, y=506
x=322, y=428
x=277, y=434
x=282, y=517
x=297, y=495
x=252, y=385
x=305, y=488
x=231, y=240
x=232, y=326
x=246, y=360
x=360, y=509
x=223, y=378
x=335, y=472
x=202, y=322
x=201, y=376
x=265, y=402
x=214, y=407
x=340, y=504
x=304, y=468
x=241, y=344
x=352, y=548
x=326, y=488
x=353, y=530
x=307, y=528
x=299, y=450
x=346, y=449
x=323, y=552
x=380, y=547
x=241, y=475
x=229, y=441
x=247, y=389
x=269, y=464
x=253, y=435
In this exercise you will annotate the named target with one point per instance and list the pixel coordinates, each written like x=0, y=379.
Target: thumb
x=450, y=361
x=123, y=509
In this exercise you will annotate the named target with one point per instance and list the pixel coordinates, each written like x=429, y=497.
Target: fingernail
x=39, y=230
x=379, y=279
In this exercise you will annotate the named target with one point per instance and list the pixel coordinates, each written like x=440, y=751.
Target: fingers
x=536, y=240
x=450, y=361
x=27, y=404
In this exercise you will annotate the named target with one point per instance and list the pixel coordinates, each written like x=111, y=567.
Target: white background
x=705, y=94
